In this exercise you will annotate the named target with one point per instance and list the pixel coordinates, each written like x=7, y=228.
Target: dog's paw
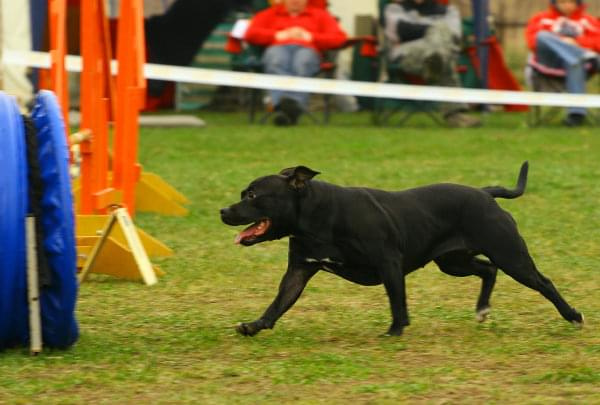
x=393, y=332
x=247, y=329
x=579, y=324
x=482, y=314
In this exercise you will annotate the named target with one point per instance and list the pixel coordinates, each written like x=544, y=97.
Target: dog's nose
x=223, y=211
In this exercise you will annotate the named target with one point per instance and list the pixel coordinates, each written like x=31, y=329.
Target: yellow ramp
x=111, y=244
x=114, y=259
x=152, y=194
x=157, y=182
x=92, y=225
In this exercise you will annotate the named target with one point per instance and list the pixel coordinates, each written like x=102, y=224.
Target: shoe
x=462, y=120
x=574, y=120
x=291, y=109
x=281, y=119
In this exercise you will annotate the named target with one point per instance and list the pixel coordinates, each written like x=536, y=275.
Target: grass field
x=175, y=342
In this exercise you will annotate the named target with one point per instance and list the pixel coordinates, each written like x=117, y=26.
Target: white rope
x=326, y=86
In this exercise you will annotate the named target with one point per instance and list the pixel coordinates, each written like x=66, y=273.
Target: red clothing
x=586, y=26
x=324, y=28
x=318, y=3
x=499, y=75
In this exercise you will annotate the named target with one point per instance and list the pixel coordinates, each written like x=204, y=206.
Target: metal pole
x=482, y=32
x=33, y=293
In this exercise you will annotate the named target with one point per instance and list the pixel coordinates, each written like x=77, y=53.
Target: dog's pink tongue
x=256, y=229
x=244, y=234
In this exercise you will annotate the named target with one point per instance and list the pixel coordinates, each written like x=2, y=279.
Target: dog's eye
x=251, y=195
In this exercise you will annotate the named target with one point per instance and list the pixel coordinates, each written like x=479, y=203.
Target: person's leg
x=433, y=58
x=277, y=60
x=291, y=60
x=551, y=51
x=305, y=63
x=442, y=64
x=431, y=55
x=411, y=56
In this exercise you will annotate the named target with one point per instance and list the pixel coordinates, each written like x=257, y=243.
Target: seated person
x=294, y=33
x=564, y=41
x=424, y=38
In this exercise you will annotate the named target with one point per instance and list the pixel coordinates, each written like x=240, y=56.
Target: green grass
x=175, y=342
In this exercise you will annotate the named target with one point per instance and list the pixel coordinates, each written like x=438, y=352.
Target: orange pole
x=106, y=48
x=58, y=50
x=119, y=141
x=131, y=87
x=86, y=104
x=95, y=105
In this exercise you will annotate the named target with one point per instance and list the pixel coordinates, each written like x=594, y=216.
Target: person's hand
x=297, y=33
x=569, y=40
x=300, y=34
x=283, y=35
x=306, y=35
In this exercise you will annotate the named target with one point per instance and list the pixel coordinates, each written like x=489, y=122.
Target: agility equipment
x=33, y=291
x=58, y=37
x=36, y=189
x=113, y=252
x=13, y=206
x=57, y=222
x=111, y=185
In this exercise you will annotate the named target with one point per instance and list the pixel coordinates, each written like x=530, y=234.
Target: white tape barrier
x=327, y=86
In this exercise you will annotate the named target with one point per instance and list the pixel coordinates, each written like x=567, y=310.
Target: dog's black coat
x=371, y=236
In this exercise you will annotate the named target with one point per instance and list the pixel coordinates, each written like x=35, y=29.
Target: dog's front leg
x=290, y=288
x=393, y=281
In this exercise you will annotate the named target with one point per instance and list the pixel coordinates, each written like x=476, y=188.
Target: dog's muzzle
x=226, y=216
x=253, y=233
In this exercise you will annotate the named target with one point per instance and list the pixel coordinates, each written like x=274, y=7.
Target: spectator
x=294, y=33
x=424, y=39
x=565, y=40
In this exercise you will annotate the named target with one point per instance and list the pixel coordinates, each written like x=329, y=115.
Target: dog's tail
x=502, y=192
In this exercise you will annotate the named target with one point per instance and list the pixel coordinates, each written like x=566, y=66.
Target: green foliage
x=175, y=342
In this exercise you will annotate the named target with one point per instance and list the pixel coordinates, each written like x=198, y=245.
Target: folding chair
x=544, y=80
x=403, y=110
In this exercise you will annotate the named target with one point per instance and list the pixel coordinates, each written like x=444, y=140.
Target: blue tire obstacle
x=56, y=223
x=13, y=209
x=59, y=327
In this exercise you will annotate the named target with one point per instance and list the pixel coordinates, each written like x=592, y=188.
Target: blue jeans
x=291, y=60
x=553, y=52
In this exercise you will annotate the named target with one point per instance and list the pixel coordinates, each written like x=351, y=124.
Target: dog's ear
x=298, y=176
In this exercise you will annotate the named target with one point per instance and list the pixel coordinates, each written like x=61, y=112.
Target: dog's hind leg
x=507, y=250
x=463, y=264
x=522, y=268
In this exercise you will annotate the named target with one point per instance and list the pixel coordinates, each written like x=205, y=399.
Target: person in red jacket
x=295, y=34
x=565, y=41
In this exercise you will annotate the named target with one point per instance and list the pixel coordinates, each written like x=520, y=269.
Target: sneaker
x=462, y=120
x=574, y=120
x=281, y=119
x=291, y=108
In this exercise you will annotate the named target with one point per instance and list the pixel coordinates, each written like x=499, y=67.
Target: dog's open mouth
x=253, y=231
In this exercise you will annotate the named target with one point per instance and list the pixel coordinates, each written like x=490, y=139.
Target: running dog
x=372, y=237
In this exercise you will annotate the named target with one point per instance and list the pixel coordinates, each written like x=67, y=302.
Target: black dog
x=371, y=237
